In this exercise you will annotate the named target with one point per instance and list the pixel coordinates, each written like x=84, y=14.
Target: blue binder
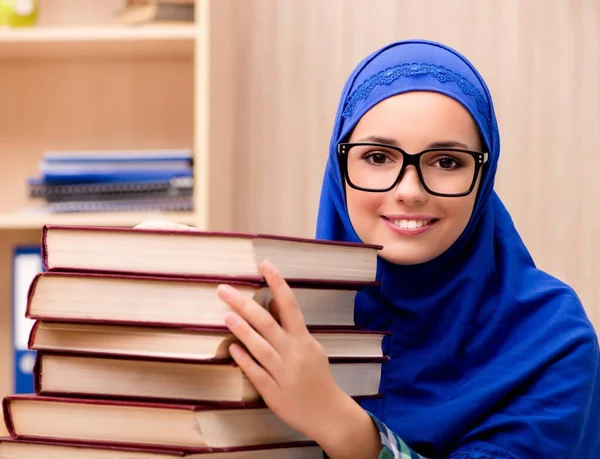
x=27, y=262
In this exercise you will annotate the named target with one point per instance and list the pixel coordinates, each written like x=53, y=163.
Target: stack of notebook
x=132, y=354
x=114, y=181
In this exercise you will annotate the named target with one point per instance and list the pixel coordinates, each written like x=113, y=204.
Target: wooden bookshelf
x=95, y=41
x=36, y=221
x=86, y=84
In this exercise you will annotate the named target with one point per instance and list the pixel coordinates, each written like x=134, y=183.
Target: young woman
x=490, y=356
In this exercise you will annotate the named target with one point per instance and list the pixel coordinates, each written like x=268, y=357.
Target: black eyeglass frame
x=411, y=160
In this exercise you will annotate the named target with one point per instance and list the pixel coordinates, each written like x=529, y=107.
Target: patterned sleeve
x=393, y=446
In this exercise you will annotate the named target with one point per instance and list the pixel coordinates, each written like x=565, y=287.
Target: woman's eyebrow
x=393, y=142
x=448, y=144
x=378, y=139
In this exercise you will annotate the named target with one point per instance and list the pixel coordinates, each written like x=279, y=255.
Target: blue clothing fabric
x=488, y=352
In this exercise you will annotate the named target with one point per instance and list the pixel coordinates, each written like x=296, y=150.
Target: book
x=180, y=426
x=119, y=196
x=26, y=264
x=89, y=167
x=11, y=448
x=179, y=344
x=85, y=167
x=154, y=11
x=192, y=302
x=59, y=374
x=103, y=156
x=137, y=204
x=179, y=186
x=203, y=254
x=73, y=176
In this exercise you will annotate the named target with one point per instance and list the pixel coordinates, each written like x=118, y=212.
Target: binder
x=27, y=262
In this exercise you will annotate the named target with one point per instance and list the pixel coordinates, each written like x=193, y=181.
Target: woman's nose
x=410, y=190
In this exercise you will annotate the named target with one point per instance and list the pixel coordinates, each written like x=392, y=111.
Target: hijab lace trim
x=440, y=72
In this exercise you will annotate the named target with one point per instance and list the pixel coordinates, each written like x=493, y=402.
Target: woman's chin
x=407, y=255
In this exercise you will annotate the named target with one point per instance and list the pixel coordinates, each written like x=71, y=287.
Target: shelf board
x=97, y=41
x=36, y=221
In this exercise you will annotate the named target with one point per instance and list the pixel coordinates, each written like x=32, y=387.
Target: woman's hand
x=290, y=368
x=291, y=371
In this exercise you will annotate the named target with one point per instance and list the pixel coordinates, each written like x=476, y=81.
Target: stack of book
x=132, y=354
x=113, y=181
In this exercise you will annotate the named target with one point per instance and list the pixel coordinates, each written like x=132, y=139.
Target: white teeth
x=410, y=224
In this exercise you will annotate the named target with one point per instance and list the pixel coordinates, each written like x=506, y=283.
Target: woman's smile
x=407, y=226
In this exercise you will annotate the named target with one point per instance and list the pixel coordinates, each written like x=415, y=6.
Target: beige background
x=541, y=59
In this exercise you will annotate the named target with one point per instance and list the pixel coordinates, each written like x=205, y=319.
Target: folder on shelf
x=27, y=263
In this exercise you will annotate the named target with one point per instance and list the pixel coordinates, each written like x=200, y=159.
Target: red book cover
x=153, y=450
x=241, y=282
x=198, y=233
x=8, y=419
x=200, y=328
x=38, y=370
x=180, y=233
x=216, y=282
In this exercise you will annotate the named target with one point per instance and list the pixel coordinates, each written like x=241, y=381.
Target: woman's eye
x=448, y=162
x=376, y=158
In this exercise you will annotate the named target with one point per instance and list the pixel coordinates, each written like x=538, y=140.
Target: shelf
x=97, y=41
x=36, y=221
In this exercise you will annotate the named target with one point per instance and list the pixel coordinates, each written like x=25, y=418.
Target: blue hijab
x=488, y=353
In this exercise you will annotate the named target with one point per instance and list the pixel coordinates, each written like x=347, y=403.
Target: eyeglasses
x=450, y=172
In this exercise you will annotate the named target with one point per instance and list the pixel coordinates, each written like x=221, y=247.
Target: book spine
x=45, y=247
x=30, y=294
x=138, y=204
x=31, y=340
x=37, y=374
x=8, y=419
x=38, y=188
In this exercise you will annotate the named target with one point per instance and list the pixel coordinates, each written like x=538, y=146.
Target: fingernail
x=225, y=291
x=269, y=267
x=231, y=318
x=235, y=350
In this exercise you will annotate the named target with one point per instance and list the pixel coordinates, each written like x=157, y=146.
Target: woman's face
x=412, y=225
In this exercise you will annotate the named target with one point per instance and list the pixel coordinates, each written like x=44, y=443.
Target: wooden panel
x=540, y=58
x=216, y=90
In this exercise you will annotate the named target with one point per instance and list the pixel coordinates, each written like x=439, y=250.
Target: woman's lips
x=410, y=226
